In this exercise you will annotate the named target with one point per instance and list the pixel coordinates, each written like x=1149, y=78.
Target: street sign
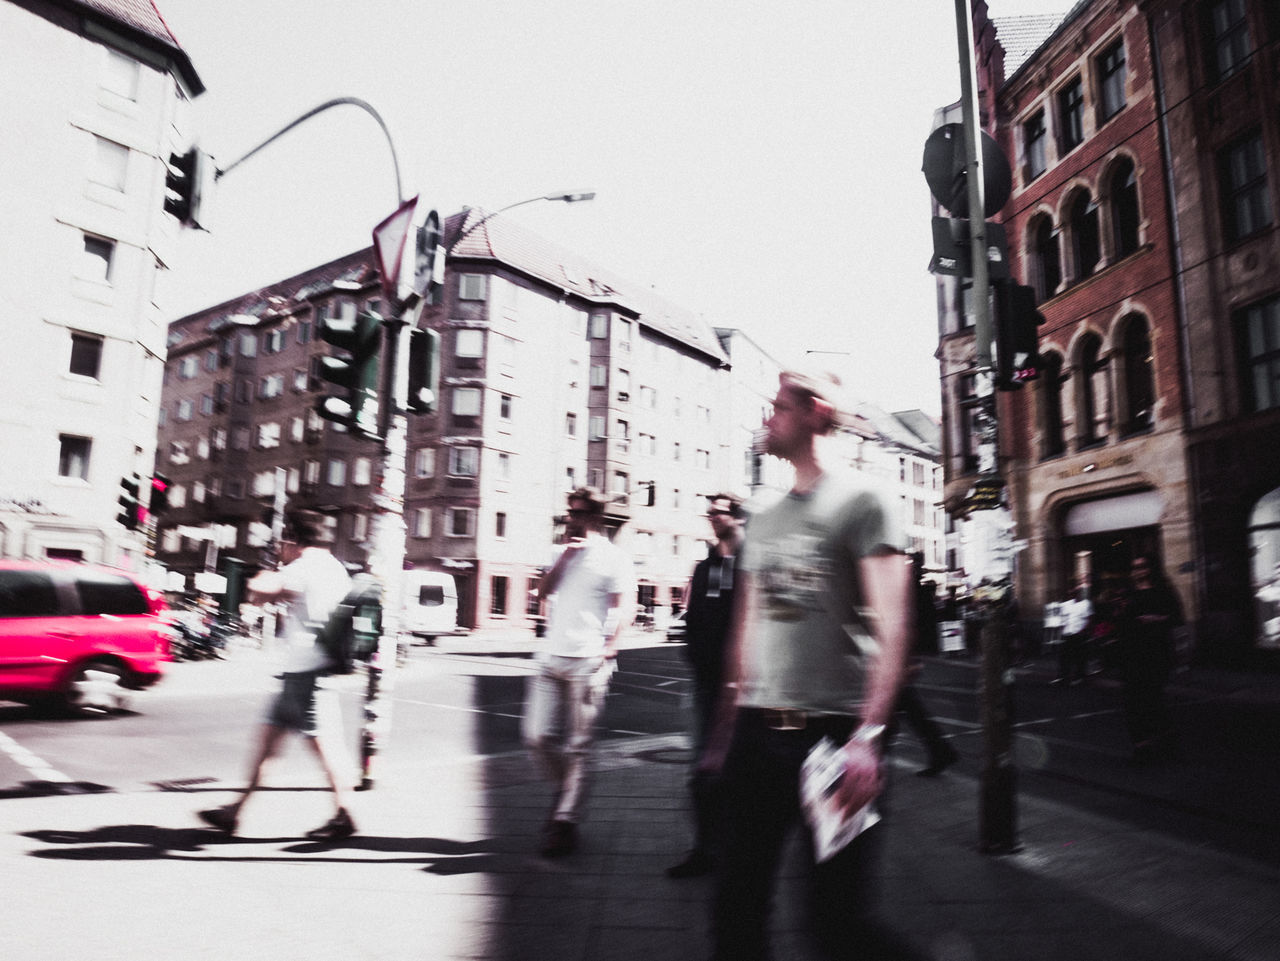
x=422, y=261
x=985, y=495
x=946, y=171
x=388, y=247
x=951, y=249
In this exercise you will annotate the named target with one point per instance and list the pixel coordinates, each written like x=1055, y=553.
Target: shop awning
x=1114, y=513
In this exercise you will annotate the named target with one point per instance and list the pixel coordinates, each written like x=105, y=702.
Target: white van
x=430, y=604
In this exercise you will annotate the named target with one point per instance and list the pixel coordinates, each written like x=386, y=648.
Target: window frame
x=1112, y=76
x=1070, y=100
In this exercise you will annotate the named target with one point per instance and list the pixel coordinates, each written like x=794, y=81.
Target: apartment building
x=105, y=89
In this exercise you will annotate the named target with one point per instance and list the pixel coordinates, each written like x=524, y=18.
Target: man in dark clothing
x=941, y=754
x=710, y=601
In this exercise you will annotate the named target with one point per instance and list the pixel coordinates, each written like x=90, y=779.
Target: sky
x=757, y=163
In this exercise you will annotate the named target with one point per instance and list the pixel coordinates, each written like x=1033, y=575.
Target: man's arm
x=616, y=621
x=887, y=587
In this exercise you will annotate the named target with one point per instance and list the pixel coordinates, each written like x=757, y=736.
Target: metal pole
x=998, y=809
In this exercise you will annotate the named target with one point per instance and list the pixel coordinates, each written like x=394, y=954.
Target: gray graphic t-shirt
x=810, y=638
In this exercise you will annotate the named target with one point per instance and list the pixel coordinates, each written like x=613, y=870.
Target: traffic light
x=186, y=184
x=424, y=371
x=159, y=494
x=1017, y=340
x=360, y=338
x=132, y=514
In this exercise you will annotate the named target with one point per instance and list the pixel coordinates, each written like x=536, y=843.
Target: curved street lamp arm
x=339, y=101
x=562, y=198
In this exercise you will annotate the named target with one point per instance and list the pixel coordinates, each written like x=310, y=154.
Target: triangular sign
x=388, y=246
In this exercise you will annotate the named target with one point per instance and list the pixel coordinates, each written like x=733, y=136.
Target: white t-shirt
x=1075, y=616
x=580, y=604
x=313, y=586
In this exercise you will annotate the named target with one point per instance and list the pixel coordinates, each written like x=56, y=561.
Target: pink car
x=78, y=635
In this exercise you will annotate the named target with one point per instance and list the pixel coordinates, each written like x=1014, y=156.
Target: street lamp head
x=571, y=198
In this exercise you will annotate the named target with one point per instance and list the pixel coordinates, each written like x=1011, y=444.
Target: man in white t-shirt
x=588, y=593
x=310, y=585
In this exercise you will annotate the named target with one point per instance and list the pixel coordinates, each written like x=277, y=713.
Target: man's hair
x=304, y=527
x=736, y=508
x=591, y=497
x=822, y=390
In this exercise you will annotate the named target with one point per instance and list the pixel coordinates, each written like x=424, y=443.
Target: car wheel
x=97, y=687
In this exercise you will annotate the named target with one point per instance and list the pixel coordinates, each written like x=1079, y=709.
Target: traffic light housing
x=424, y=371
x=359, y=338
x=1017, y=338
x=132, y=514
x=159, y=494
x=185, y=184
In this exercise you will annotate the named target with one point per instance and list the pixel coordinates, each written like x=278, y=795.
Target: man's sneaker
x=335, y=829
x=221, y=819
x=561, y=839
x=697, y=864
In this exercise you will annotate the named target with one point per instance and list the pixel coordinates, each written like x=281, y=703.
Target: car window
x=27, y=594
x=431, y=595
x=110, y=594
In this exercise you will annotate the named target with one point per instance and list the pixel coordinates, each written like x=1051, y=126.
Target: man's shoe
x=561, y=839
x=697, y=864
x=337, y=828
x=940, y=762
x=220, y=819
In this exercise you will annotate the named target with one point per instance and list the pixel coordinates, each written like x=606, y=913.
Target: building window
x=359, y=527
x=271, y=386
x=110, y=164
x=1246, y=203
x=621, y=490
x=595, y=427
x=272, y=341
x=304, y=331
x=1227, y=33
x=1033, y=141
x=268, y=436
x=1124, y=209
x=362, y=472
x=202, y=448
x=1259, y=327
x=1085, y=252
x=206, y=404
x=498, y=595
x=1047, y=263
x=471, y=287
x=240, y=438
x=424, y=462
x=336, y=474
x=1139, y=377
x=311, y=473
x=1071, y=114
x=422, y=522
x=461, y=522
x=120, y=75
x=504, y=406
x=648, y=398
x=97, y=261
x=504, y=465
x=599, y=326
x=469, y=343
x=1111, y=79
x=73, y=456
x=211, y=361
x=702, y=459
x=571, y=425
x=301, y=380
x=297, y=429
x=179, y=452
x=500, y=524
x=466, y=401
x=86, y=355
x=599, y=375
x=967, y=422
x=219, y=438
x=184, y=411
x=1094, y=398
x=464, y=461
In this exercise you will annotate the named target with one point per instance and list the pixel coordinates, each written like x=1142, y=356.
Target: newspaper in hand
x=832, y=826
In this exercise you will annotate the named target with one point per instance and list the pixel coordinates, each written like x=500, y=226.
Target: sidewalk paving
x=443, y=869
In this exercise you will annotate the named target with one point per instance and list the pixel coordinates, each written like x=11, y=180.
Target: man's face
x=791, y=426
x=720, y=516
x=579, y=519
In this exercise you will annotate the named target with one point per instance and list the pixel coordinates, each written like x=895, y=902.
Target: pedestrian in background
x=1147, y=614
x=710, y=604
x=311, y=584
x=818, y=648
x=910, y=705
x=589, y=592
x=1074, y=649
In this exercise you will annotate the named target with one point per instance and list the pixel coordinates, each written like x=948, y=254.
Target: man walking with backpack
x=311, y=584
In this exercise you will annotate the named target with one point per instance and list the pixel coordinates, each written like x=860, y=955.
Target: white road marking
x=40, y=769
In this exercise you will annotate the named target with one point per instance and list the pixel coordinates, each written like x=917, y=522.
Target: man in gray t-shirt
x=818, y=649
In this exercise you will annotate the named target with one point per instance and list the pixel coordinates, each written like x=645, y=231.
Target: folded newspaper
x=833, y=827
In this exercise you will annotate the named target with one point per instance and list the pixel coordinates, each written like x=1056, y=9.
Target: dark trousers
x=1073, y=657
x=922, y=723
x=704, y=789
x=761, y=805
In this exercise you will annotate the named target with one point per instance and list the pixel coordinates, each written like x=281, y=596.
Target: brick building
x=1140, y=136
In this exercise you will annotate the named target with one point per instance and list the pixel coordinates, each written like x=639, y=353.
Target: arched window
x=1124, y=209
x=1052, y=440
x=1092, y=398
x=1083, y=217
x=1047, y=268
x=1139, y=377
